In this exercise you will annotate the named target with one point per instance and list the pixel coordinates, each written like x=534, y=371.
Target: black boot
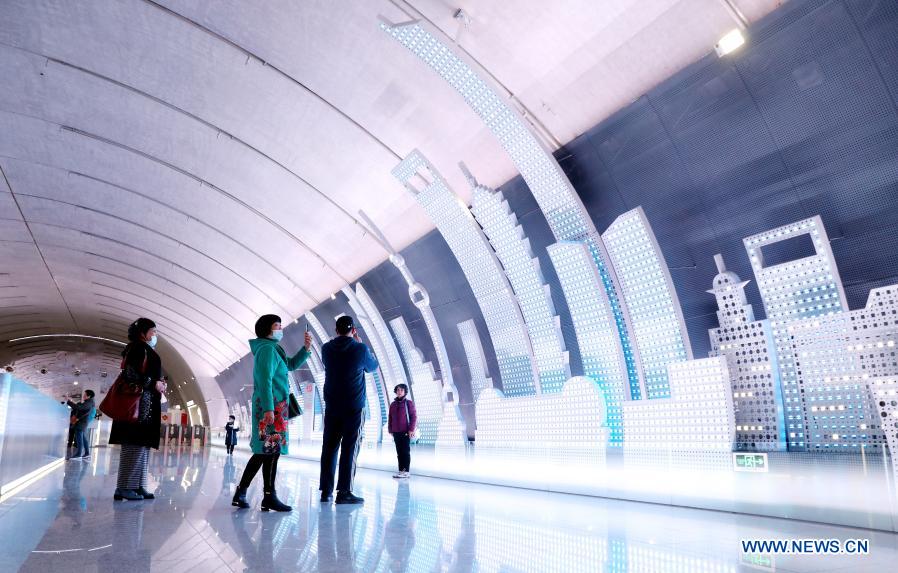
x=240, y=498
x=271, y=502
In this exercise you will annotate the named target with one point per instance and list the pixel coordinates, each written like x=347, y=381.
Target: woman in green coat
x=271, y=388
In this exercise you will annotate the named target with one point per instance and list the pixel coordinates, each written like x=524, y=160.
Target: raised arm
x=370, y=362
x=298, y=359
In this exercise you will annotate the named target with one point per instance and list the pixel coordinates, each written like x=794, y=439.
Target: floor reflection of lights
x=423, y=524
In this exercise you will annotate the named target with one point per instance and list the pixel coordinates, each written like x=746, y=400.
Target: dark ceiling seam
x=158, y=232
x=175, y=335
x=40, y=252
x=198, y=311
x=154, y=255
x=190, y=175
x=181, y=314
x=276, y=69
x=169, y=323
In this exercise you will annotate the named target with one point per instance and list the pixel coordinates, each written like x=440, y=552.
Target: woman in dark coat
x=231, y=435
x=141, y=367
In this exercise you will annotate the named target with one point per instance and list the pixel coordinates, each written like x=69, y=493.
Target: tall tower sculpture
x=806, y=287
x=750, y=352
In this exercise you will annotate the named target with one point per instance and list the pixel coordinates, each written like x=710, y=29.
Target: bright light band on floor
x=482, y=269
x=512, y=248
x=659, y=329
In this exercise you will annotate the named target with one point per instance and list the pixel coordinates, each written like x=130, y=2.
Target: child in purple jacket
x=402, y=424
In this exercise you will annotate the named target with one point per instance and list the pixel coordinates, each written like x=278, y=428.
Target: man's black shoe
x=347, y=497
x=326, y=496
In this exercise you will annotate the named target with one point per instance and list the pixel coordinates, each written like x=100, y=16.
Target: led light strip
x=559, y=202
x=658, y=326
x=600, y=349
x=802, y=288
x=426, y=390
x=513, y=250
x=470, y=340
x=39, y=336
x=491, y=289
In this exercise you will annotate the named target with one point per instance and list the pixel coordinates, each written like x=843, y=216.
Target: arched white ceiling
x=202, y=163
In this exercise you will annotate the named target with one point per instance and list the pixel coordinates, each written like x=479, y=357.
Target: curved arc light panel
x=482, y=269
x=391, y=364
x=476, y=357
x=557, y=199
x=600, y=348
x=421, y=299
x=316, y=367
x=802, y=288
x=426, y=390
x=659, y=329
x=500, y=225
x=750, y=351
x=518, y=429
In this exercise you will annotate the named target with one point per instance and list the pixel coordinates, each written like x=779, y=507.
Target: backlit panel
x=513, y=250
x=659, y=330
x=476, y=358
x=750, y=351
x=698, y=417
x=483, y=271
x=518, y=427
x=884, y=392
x=557, y=199
x=600, y=349
x=426, y=390
x=803, y=288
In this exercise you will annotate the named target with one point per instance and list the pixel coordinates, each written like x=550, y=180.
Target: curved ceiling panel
x=203, y=164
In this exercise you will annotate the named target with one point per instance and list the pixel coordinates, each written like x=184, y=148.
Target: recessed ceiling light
x=75, y=382
x=730, y=41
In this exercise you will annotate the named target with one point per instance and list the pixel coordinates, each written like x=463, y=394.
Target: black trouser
x=343, y=432
x=269, y=465
x=403, y=450
x=230, y=448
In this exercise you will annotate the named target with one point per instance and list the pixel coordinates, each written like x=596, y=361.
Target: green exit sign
x=749, y=462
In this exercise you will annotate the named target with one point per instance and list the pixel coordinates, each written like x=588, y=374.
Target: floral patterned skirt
x=270, y=438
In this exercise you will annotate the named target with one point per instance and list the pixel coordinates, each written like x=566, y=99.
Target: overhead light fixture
x=730, y=41
x=75, y=382
x=333, y=297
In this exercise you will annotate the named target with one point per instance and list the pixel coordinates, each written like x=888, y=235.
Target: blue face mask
x=152, y=342
x=277, y=334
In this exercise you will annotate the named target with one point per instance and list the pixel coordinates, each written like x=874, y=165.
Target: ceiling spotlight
x=43, y=370
x=10, y=369
x=103, y=374
x=77, y=372
x=731, y=40
x=75, y=382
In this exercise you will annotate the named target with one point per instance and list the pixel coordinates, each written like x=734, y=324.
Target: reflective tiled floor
x=68, y=522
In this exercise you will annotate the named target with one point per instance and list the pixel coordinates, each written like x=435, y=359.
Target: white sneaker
x=404, y=475
x=398, y=475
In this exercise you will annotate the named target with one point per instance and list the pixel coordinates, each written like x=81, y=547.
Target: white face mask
x=152, y=342
x=277, y=334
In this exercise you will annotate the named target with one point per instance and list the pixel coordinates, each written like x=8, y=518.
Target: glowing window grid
x=470, y=340
x=483, y=272
x=513, y=250
x=697, y=417
x=516, y=427
x=557, y=199
x=802, y=288
x=425, y=388
x=600, y=350
x=658, y=326
x=749, y=349
x=317, y=370
x=885, y=399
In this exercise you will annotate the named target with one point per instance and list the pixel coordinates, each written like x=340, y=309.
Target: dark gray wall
x=803, y=121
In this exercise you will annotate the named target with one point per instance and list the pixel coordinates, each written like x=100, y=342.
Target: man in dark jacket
x=231, y=435
x=346, y=360
x=83, y=413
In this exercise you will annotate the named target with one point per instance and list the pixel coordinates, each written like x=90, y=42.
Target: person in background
x=402, y=424
x=231, y=434
x=83, y=413
x=141, y=367
x=346, y=359
x=271, y=389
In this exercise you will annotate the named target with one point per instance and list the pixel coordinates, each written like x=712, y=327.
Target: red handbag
x=122, y=401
